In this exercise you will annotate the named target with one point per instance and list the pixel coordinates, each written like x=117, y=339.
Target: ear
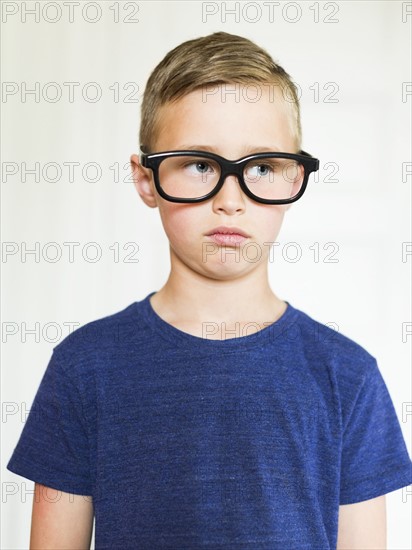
x=142, y=179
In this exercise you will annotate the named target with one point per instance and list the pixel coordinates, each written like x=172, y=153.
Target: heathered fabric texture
x=186, y=442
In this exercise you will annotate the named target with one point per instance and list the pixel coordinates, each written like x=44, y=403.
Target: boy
x=213, y=414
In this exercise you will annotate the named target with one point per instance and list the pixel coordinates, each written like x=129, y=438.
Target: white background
x=366, y=133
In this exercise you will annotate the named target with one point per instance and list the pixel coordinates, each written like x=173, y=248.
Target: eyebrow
x=247, y=151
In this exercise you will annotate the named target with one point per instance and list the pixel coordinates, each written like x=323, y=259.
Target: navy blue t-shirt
x=186, y=442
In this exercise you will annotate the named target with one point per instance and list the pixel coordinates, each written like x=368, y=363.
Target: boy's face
x=233, y=127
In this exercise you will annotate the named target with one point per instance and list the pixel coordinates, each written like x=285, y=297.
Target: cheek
x=180, y=222
x=269, y=219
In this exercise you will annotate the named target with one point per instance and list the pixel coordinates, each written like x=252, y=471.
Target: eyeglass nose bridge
x=231, y=168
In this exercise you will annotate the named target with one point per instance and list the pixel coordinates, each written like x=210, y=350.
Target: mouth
x=227, y=230
x=227, y=235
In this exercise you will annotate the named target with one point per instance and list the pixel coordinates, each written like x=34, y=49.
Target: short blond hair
x=218, y=58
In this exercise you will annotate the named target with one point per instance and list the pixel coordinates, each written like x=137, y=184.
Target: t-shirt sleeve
x=374, y=460
x=53, y=448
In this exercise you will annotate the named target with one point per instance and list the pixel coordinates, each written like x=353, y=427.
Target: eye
x=199, y=167
x=263, y=169
x=259, y=170
x=202, y=166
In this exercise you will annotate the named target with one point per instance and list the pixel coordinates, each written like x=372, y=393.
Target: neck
x=194, y=297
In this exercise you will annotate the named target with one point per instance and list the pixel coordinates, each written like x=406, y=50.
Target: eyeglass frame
x=227, y=168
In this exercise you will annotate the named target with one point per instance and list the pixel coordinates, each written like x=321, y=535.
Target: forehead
x=228, y=116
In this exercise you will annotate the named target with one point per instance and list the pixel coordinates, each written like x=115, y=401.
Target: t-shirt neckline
x=268, y=333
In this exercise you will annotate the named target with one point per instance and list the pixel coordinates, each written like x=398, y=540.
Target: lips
x=227, y=230
x=227, y=235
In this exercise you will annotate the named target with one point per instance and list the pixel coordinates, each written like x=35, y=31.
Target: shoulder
x=102, y=336
x=327, y=338
x=327, y=346
x=344, y=371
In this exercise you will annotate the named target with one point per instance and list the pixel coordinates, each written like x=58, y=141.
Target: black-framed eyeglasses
x=195, y=176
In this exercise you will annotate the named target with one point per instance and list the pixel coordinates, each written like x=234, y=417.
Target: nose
x=230, y=196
